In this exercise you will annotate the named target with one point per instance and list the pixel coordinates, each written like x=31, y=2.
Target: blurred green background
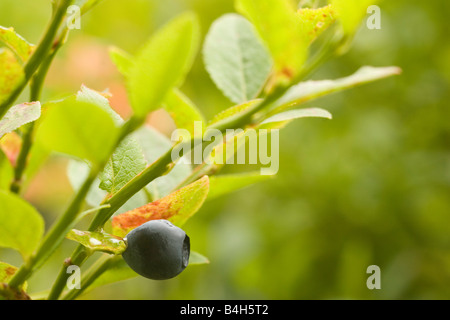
x=372, y=186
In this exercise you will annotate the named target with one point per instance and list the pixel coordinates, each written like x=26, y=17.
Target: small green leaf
x=351, y=12
x=81, y=129
x=196, y=258
x=122, y=60
x=16, y=44
x=233, y=112
x=224, y=184
x=183, y=111
x=315, y=21
x=6, y=172
x=11, y=144
x=90, y=96
x=236, y=59
x=98, y=241
x=21, y=225
x=180, y=108
x=7, y=271
x=126, y=163
x=19, y=115
x=177, y=207
x=163, y=63
x=309, y=90
x=11, y=73
x=280, y=120
x=14, y=52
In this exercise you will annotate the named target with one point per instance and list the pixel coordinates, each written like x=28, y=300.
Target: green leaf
x=315, y=21
x=11, y=144
x=11, y=74
x=309, y=90
x=196, y=258
x=7, y=271
x=126, y=163
x=122, y=60
x=278, y=24
x=180, y=108
x=236, y=59
x=351, y=12
x=6, y=172
x=183, y=111
x=233, y=112
x=16, y=44
x=21, y=225
x=19, y=115
x=98, y=241
x=81, y=129
x=177, y=207
x=224, y=184
x=280, y=120
x=14, y=52
x=90, y=96
x=163, y=63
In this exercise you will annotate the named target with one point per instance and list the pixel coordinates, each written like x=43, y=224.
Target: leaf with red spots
x=177, y=207
x=7, y=271
x=316, y=21
x=16, y=44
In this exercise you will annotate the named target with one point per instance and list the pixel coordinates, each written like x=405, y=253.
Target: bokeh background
x=372, y=186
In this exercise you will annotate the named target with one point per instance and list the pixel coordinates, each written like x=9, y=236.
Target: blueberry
x=157, y=250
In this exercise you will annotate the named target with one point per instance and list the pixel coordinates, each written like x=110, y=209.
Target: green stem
x=38, y=55
x=36, y=86
x=77, y=259
x=95, y=271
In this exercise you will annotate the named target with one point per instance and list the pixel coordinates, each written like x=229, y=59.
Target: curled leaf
x=98, y=241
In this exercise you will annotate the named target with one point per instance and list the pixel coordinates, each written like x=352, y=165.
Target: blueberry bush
x=128, y=186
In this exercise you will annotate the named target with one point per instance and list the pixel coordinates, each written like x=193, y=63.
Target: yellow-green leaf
x=163, y=63
x=21, y=226
x=81, y=129
x=183, y=111
x=351, y=12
